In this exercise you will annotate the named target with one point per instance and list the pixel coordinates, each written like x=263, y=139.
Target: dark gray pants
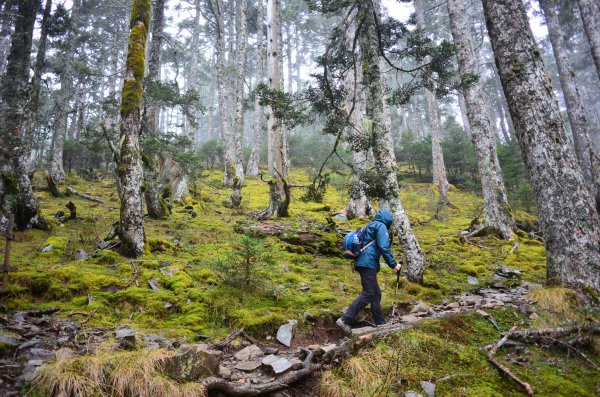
x=371, y=294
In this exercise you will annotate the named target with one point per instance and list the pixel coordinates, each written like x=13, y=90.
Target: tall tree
x=17, y=193
x=279, y=194
x=495, y=204
x=254, y=159
x=131, y=226
x=237, y=136
x=439, y=169
x=156, y=208
x=56, y=171
x=590, y=14
x=575, y=109
x=381, y=142
x=566, y=210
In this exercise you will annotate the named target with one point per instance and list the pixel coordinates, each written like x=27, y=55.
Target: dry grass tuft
x=558, y=300
x=118, y=374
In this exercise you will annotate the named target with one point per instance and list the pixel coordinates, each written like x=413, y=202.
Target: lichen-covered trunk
x=15, y=94
x=5, y=35
x=237, y=144
x=254, y=159
x=56, y=170
x=590, y=14
x=463, y=113
x=131, y=226
x=438, y=168
x=279, y=190
x=495, y=204
x=381, y=142
x=155, y=207
x=575, y=109
x=566, y=210
x=359, y=205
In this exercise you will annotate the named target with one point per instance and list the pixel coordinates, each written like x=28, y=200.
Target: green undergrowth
x=197, y=246
x=448, y=353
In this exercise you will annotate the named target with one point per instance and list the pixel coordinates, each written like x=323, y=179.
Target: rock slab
x=285, y=334
x=192, y=363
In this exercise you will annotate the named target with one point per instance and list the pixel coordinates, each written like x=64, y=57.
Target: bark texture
x=495, y=204
x=156, y=208
x=566, y=210
x=131, y=227
x=385, y=162
x=439, y=169
x=575, y=109
x=590, y=14
x=17, y=195
x=254, y=159
x=66, y=91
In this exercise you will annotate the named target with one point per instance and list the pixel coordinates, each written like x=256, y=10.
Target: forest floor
x=187, y=288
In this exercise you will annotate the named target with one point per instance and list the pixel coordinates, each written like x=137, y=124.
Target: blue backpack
x=352, y=246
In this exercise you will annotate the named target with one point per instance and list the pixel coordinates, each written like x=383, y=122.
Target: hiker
x=367, y=265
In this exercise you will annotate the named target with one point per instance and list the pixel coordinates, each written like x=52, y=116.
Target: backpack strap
x=366, y=246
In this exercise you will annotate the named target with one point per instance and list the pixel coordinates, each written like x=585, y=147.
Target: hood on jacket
x=385, y=217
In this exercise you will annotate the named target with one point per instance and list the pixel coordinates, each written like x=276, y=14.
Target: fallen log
x=593, y=328
x=243, y=389
x=84, y=196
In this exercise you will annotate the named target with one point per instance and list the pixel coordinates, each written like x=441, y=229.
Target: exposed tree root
x=237, y=389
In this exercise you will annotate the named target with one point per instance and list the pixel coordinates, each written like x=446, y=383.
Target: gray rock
x=452, y=305
x=103, y=245
x=82, y=255
x=308, y=316
x=428, y=388
x=125, y=338
x=534, y=316
x=48, y=248
x=411, y=393
x=340, y=217
x=249, y=353
x=285, y=334
x=304, y=287
x=169, y=271
x=420, y=307
x=192, y=363
x=472, y=280
x=286, y=269
x=507, y=272
x=409, y=318
x=63, y=353
x=328, y=348
x=224, y=372
x=278, y=364
x=153, y=283
x=40, y=354
x=248, y=366
x=271, y=350
x=8, y=341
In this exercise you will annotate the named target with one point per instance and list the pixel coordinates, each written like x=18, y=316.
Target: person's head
x=385, y=217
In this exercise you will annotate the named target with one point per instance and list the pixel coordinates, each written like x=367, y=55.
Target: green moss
x=140, y=12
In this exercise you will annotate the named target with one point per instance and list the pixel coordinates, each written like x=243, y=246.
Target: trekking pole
x=396, y=293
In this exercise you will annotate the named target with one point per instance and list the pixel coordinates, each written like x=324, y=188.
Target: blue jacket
x=378, y=231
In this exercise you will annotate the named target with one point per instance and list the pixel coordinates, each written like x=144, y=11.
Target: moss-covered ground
x=197, y=244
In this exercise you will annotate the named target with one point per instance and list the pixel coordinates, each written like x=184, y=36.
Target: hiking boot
x=344, y=327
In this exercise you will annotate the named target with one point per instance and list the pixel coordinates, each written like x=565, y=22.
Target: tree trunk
x=235, y=199
x=566, y=210
x=575, y=109
x=385, y=162
x=279, y=198
x=495, y=204
x=258, y=114
x=155, y=206
x=15, y=92
x=131, y=230
x=66, y=91
x=5, y=35
x=463, y=113
x=439, y=169
x=590, y=14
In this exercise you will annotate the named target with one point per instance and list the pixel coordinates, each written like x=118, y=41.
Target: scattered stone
x=82, y=255
x=64, y=353
x=285, y=334
x=286, y=269
x=42, y=355
x=8, y=341
x=48, y=248
x=125, y=338
x=428, y=388
x=472, y=280
x=308, y=316
x=153, y=283
x=328, y=348
x=249, y=353
x=532, y=286
x=340, y=217
x=411, y=393
x=278, y=364
x=304, y=287
x=103, y=245
x=169, y=271
x=483, y=313
x=409, y=318
x=193, y=362
x=464, y=232
x=421, y=307
x=168, y=306
x=507, y=272
x=452, y=305
x=534, y=316
x=271, y=350
x=224, y=372
x=248, y=366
